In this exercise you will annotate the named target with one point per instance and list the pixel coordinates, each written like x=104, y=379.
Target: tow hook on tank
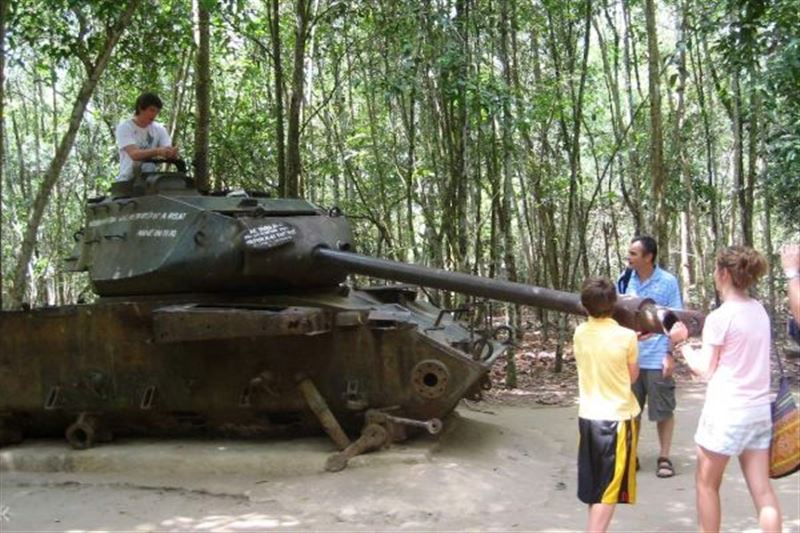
x=86, y=431
x=379, y=431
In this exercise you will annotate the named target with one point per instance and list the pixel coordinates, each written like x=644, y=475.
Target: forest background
x=516, y=139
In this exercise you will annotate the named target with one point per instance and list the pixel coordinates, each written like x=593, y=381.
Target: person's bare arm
x=790, y=258
x=139, y=154
x=633, y=371
x=702, y=360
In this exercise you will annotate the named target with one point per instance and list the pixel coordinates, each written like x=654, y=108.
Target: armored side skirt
x=231, y=368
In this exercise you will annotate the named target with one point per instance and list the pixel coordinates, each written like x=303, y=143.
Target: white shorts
x=718, y=435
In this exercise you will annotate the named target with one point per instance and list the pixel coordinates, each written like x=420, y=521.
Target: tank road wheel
x=429, y=378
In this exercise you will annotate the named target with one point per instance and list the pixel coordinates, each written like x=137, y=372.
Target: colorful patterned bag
x=784, y=451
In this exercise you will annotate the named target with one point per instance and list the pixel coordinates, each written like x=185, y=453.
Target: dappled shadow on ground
x=225, y=522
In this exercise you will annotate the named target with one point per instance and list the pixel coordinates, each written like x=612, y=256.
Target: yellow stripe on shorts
x=624, y=480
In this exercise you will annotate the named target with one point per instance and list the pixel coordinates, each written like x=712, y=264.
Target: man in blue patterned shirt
x=655, y=386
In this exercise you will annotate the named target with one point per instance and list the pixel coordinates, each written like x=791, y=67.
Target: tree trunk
x=769, y=254
x=633, y=193
x=411, y=129
x=3, y=8
x=752, y=160
x=277, y=68
x=178, y=92
x=202, y=89
x=293, y=164
x=180, y=103
x=507, y=195
x=461, y=127
x=658, y=177
x=703, y=84
x=682, y=153
x=62, y=152
x=740, y=195
x=570, y=132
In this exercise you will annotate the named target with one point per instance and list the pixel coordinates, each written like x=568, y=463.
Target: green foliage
x=409, y=121
x=782, y=101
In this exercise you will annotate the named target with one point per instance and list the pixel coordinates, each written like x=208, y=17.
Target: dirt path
x=504, y=468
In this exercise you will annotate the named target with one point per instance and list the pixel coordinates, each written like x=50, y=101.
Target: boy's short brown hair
x=598, y=296
x=146, y=100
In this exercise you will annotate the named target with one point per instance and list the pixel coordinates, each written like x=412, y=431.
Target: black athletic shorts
x=607, y=461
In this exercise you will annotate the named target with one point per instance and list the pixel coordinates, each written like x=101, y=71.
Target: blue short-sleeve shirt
x=661, y=287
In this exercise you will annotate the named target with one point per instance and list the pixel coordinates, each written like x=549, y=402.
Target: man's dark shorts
x=659, y=393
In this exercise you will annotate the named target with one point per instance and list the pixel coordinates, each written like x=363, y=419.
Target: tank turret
x=159, y=235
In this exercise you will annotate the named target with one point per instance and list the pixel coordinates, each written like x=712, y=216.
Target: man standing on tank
x=655, y=385
x=141, y=138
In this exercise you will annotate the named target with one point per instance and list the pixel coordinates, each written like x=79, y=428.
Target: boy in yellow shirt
x=606, y=355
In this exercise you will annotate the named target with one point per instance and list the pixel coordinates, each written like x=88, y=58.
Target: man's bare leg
x=665, y=430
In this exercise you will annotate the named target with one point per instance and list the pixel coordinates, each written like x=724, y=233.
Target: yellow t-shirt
x=603, y=350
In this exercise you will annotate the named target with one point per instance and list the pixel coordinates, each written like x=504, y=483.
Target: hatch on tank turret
x=159, y=182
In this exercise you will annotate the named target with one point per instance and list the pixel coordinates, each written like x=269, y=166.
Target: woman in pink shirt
x=736, y=419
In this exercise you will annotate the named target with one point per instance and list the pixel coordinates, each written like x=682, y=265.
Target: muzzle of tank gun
x=642, y=314
x=639, y=314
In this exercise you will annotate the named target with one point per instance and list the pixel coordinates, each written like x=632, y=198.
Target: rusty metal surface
x=105, y=360
x=320, y=408
x=193, y=322
x=373, y=436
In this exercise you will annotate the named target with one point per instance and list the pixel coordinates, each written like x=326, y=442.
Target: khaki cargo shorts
x=657, y=392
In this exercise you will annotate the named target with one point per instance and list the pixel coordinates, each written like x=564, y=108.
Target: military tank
x=227, y=314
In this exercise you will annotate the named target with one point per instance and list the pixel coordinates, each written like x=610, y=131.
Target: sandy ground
x=498, y=469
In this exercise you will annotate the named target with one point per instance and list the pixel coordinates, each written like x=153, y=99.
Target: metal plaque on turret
x=269, y=235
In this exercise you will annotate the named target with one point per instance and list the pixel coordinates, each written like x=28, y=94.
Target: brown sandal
x=664, y=467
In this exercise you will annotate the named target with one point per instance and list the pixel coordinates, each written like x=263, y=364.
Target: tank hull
x=205, y=365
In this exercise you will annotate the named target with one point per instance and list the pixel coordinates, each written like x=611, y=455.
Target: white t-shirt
x=740, y=384
x=129, y=133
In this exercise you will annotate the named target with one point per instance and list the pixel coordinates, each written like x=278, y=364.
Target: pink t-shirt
x=741, y=380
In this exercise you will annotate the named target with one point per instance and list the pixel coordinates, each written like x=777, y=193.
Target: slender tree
x=3, y=9
x=94, y=69
x=658, y=176
x=202, y=90
x=277, y=76
x=303, y=17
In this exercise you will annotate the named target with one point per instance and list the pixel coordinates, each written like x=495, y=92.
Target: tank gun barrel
x=639, y=314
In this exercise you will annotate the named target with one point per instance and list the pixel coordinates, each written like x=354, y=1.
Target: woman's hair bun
x=745, y=265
